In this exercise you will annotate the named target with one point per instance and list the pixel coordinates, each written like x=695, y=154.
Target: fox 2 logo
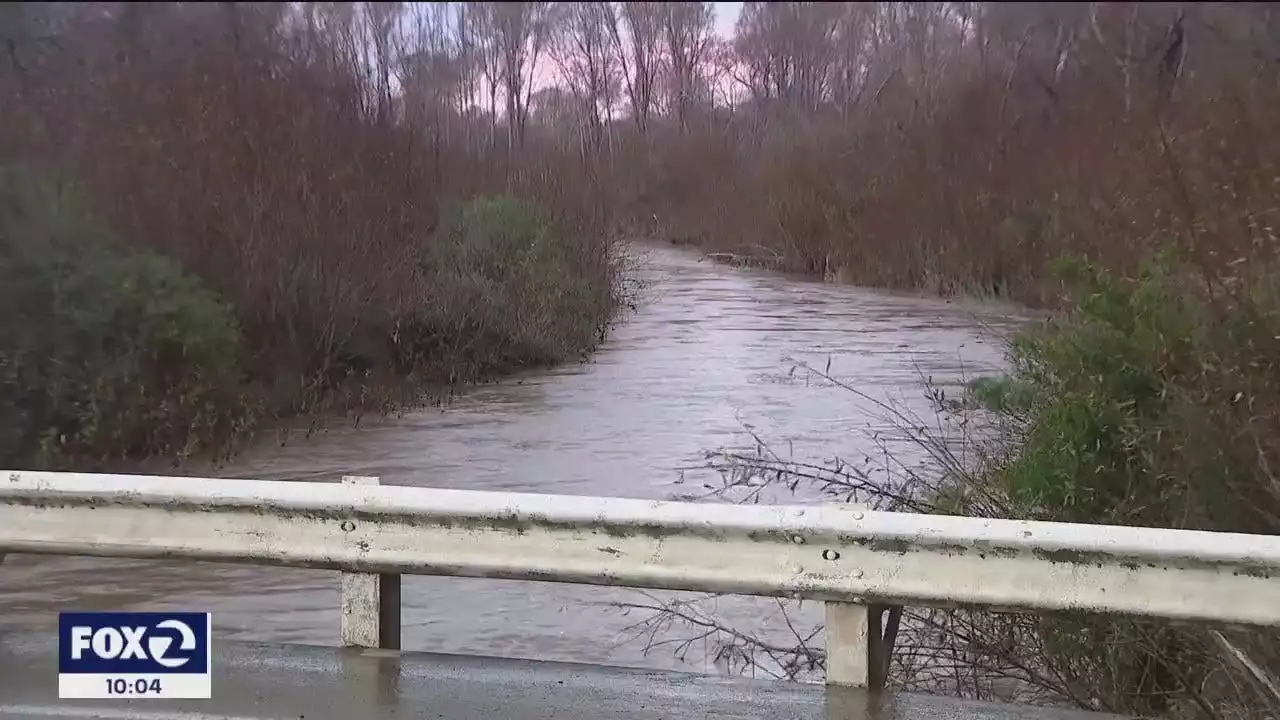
x=114, y=643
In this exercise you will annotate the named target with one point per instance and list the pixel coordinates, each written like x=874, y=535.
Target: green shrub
x=104, y=355
x=1153, y=401
x=509, y=286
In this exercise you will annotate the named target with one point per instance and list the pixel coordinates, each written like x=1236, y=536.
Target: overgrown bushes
x=974, y=143
x=507, y=269
x=267, y=230
x=108, y=354
x=1154, y=401
x=105, y=354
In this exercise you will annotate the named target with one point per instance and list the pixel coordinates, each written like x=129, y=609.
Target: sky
x=726, y=16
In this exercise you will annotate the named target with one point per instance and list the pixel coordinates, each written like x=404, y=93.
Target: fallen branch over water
x=738, y=260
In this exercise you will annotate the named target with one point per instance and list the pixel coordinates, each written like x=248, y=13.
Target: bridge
x=863, y=565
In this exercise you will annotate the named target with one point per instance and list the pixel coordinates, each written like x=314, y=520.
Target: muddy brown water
x=708, y=354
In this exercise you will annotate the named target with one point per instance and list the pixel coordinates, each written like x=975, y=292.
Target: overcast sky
x=726, y=16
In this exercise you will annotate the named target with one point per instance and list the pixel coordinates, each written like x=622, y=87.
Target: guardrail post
x=858, y=647
x=370, y=602
x=848, y=644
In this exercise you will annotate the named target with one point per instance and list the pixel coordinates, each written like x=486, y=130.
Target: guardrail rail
x=858, y=562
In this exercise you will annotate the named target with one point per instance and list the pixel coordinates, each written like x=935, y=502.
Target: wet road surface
x=258, y=682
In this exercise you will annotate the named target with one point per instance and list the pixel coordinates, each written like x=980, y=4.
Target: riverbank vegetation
x=212, y=214
x=1182, y=381
x=961, y=147
x=1154, y=401
x=977, y=142
x=945, y=147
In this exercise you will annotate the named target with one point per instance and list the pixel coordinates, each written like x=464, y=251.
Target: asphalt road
x=290, y=682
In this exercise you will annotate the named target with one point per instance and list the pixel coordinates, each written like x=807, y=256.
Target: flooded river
x=708, y=352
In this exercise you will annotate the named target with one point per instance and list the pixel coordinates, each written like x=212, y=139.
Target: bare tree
x=639, y=54
x=436, y=79
x=687, y=33
x=581, y=48
x=380, y=19
x=851, y=61
x=521, y=31
x=481, y=24
x=788, y=50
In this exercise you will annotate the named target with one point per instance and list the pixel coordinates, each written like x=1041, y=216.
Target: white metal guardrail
x=855, y=560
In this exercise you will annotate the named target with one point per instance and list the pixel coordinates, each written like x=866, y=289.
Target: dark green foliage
x=1153, y=401
x=102, y=354
x=508, y=287
x=109, y=355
